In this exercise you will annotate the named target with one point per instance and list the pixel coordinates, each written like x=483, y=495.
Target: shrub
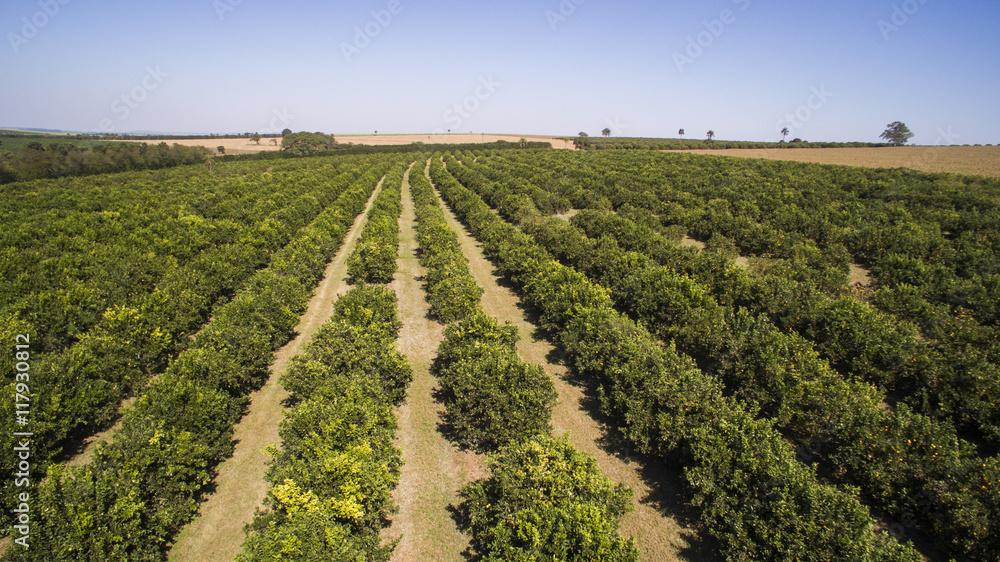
x=544, y=500
x=491, y=397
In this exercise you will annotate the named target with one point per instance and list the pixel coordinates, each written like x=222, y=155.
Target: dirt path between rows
x=659, y=537
x=433, y=469
x=217, y=532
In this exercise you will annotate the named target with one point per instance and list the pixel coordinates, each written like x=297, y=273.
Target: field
x=245, y=146
x=973, y=160
x=628, y=355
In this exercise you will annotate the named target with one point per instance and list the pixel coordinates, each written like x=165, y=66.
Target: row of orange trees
x=80, y=379
x=143, y=486
x=754, y=493
x=930, y=241
x=543, y=499
x=373, y=259
x=331, y=481
x=913, y=467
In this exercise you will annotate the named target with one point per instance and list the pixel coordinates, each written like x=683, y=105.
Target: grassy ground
x=972, y=160
x=433, y=469
x=240, y=488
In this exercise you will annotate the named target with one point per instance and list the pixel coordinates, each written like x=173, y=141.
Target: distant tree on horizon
x=710, y=134
x=680, y=132
x=897, y=133
x=784, y=133
x=255, y=138
x=286, y=132
x=221, y=149
x=607, y=133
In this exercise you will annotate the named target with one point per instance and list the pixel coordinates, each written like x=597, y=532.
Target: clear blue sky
x=641, y=68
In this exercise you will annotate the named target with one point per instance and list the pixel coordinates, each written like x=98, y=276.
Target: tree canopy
x=304, y=143
x=897, y=133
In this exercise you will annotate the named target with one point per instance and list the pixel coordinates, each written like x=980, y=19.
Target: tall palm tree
x=710, y=135
x=607, y=133
x=680, y=133
x=784, y=133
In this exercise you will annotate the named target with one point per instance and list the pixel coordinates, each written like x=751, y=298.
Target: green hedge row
x=904, y=462
x=670, y=409
x=374, y=257
x=543, y=499
x=332, y=480
x=859, y=340
x=492, y=398
x=140, y=489
x=928, y=239
x=451, y=291
x=80, y=389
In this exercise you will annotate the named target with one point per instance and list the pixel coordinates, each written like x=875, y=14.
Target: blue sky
x=837, y=71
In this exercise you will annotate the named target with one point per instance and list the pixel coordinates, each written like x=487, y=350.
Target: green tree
x=303, y=143
x=544, y=500
x=710, y=135
x=221, y=149
x=784, y=133
x=680, y=133
x=897, y=133
x=286, y=132
x=255, y=138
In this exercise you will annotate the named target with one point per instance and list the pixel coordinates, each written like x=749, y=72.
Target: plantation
x=801, y=415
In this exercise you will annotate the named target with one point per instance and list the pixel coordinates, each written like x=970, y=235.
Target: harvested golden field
x=975, y=160
x=245, y=146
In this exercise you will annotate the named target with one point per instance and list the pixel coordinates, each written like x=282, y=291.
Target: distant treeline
x=10, y=133
x=634, y=143
x=38, y=160
x=380, y=149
